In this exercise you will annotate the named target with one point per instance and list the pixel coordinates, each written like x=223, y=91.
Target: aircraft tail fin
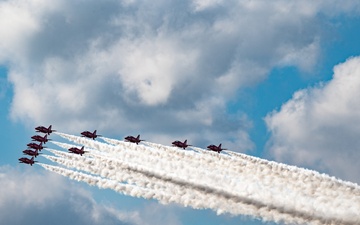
x=138, y=137
x=94, y=132
x=185, y=142
x=220, y=145
x=50, y=129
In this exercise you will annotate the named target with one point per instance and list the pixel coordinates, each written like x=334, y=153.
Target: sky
x=279, y=80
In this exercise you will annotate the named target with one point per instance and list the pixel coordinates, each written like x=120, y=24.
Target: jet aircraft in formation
x=79, y=151
x=37, y=147
x=31, y=152
x=133, y=139
x=40, y=138
x=180, y=144
x=45, y=130
x=27, y=160
x=88, y=134
x=215, y=148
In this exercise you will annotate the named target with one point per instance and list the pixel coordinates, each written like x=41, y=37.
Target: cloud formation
x=37, y=198
x=45, y=198
x=318, y=127
x=125, y=66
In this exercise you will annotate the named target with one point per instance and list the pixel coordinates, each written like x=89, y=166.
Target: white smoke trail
x=241, y=188
x=193, y=198
x=161, y=163
x=266, y=173
x=126, y=189
x=261, y=167
x=284, y=173
x=100, y=164
x=301, y=173
x=333, y=191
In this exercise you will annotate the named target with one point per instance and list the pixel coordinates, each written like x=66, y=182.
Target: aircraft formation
x=34, y=148
x=137, y=140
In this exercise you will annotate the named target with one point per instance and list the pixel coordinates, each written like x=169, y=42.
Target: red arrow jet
x=40, y=138
x=89, y=134
x=180, y=144
x=36, y=146
x=215, y=148
x=31, y=152
x=45, y=130
x=27, y=161
x=79, y=151
x=133, y=139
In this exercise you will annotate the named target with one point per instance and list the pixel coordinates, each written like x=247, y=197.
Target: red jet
x=36, y=146
x=44, y=130
x=134, y=139
x=215, y=148
x=27, y=161
x=180, y=144
x=90, y=135
x=79, y=151
x=40, y=138
x=31, y=152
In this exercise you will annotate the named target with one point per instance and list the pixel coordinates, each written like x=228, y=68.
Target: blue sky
x=279, y=80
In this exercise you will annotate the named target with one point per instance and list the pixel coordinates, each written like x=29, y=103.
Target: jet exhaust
x=229, y=182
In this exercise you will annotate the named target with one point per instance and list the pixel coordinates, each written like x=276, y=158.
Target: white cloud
x=40, y=197
x=19, y=21
x=200, y=5
x=165, y=214
x=151, y=68
x=318, y=127
x=135, y=65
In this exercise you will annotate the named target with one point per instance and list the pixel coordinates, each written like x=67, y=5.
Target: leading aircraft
x=27, y=161
x=40, y=138
x=36, y=146
x=31, y=152
x=79, y=151
x=215, y=148
x=180, y=144
x=45, y=130
x=89, y=134
x=134, y=139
